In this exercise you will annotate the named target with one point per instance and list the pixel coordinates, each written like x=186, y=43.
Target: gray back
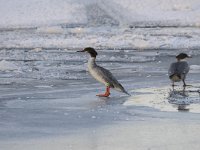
x=179, y=68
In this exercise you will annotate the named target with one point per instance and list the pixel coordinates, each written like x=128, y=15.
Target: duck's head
x=182, y=56
x=90, y=50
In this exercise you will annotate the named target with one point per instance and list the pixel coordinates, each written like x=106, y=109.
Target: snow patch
x=167, y=11
x=177, y=100
x=33, y=13
x=7, y=66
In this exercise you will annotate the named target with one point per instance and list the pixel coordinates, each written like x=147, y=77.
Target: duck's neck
x=91, y=62
x=180, y=60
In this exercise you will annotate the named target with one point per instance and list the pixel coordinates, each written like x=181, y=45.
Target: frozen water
x=47, y=98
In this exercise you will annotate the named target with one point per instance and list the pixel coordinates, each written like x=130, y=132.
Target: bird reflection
x=179, y=99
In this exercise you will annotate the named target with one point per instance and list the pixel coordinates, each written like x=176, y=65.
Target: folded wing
x=111, y=80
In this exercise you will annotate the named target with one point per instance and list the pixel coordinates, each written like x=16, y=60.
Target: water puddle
x=166, y=99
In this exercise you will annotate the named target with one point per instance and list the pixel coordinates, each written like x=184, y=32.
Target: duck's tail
x=175, y=77
x=126, y=92
x=120, y=88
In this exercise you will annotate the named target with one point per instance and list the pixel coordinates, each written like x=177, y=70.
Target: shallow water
x=166, y=99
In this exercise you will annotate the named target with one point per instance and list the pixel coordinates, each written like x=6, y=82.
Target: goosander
x=101, y=74
x=179, y=70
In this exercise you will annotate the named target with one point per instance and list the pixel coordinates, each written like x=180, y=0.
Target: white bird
x=101, y=74
x=179, y=70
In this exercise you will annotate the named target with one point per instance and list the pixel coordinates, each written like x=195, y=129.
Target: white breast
x=93, y=69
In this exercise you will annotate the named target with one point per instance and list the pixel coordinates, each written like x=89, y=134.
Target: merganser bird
x=178, y=70
x=102, y=75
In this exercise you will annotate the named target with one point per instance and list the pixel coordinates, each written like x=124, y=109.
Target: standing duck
x=179, y=70
x=101, y=74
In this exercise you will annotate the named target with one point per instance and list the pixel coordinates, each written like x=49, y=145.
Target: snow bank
x=177, y=12
x=23, y=13
x=15, y=13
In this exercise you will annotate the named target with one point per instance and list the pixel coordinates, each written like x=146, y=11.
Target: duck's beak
x=80, y=51
x=189, y=56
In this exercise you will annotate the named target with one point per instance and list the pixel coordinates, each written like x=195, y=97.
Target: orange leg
x=107, y=93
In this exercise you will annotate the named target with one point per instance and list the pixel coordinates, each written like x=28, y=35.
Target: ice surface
x=61, y=108
x=47, y=97
x=167, y=99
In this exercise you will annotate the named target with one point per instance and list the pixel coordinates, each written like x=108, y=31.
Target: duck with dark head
x=101, y=74
x=179, y=70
